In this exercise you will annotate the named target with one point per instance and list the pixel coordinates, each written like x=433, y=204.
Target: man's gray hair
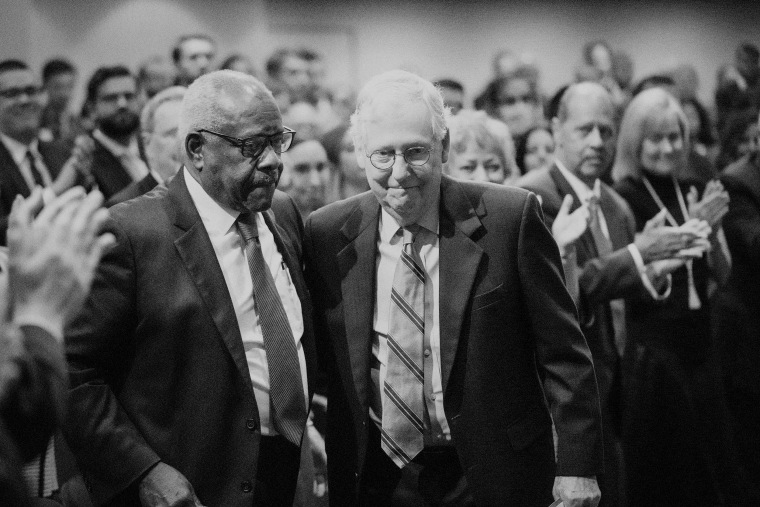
x=148, y=114
x=211, y=98
x=399, y=85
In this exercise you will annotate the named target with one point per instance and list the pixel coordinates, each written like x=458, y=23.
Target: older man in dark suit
x=189, y=363
x=444, y=325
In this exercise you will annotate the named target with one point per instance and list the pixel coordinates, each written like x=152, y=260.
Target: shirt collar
x=580, y=188
x=389, y=227
x=117, y=149
x=18, y=150
x=216, y=218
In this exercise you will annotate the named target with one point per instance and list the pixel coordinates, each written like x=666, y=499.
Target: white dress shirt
x=389, y=247
x=129, y=156
x=18, y=153
x=230, y=252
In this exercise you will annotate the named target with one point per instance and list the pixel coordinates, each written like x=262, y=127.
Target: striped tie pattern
x=403, y=403
x=285, y=384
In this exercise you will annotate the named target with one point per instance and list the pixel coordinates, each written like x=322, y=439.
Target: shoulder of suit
x=339, y=211
x=142, y=206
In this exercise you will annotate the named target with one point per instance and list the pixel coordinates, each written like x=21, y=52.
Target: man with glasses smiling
x=25, y=160
x=192, y=364
x=445, y=327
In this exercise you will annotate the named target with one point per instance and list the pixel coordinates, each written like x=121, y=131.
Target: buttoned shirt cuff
x=639, y=261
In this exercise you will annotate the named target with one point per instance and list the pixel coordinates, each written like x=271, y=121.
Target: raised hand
x=568, y=227
x=712, y=207
x=53, y=252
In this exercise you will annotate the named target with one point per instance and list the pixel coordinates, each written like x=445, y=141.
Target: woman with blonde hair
x=674, y=434
x=481, y=148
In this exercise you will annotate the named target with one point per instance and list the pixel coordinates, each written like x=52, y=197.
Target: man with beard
x=188, y=364
x=25, y=161
x=307, y=176
x=158, y=131
x=113, y=100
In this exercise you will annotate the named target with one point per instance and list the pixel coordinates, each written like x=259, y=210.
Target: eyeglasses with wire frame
x=253, y=147
x=415, y=156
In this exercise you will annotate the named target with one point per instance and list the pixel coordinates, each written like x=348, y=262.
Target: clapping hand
x=53, y=252
x=712, y=207
x=568, y=227
x=658, y=241
x=577, y=491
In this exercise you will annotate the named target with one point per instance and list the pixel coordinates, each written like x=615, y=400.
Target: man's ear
x=194, y=150
x=445, y=143
x=359, y=154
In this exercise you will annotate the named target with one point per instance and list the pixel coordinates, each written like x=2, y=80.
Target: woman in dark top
x=674, y=410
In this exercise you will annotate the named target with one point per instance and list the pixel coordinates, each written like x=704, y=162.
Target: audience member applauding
x=25, y=161
x=675, y=436
x=52, y=254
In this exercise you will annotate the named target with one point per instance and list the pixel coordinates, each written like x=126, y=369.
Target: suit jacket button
x=246, y=486
x=250, y=424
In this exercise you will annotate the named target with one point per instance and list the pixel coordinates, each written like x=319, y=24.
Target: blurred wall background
x=360, y=38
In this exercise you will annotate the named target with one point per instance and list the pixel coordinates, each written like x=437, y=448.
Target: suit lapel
x=356, y=262
x=197, y=252
x=617, y=230
x=459, y=258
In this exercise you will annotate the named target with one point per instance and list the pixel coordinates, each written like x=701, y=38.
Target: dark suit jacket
x=507, y=321
x=739, y=302
x=157, y=365
x=602, y=279
x=32, y=395
x=134, y=189
x=108, y=172
x=12, y=183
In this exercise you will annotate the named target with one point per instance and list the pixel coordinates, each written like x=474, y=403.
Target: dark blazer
x=157, y=365
x=507, y=321
x=134, y=189
x=12, y=183
x=108, y=172
x=739, y=302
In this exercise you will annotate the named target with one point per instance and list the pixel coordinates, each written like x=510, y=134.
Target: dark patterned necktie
x=36, y=174
x=403, y=403
x=285, y=384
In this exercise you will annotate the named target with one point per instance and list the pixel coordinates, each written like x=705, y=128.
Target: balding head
x=584, y=131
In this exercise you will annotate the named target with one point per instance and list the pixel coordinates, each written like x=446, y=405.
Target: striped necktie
x=403, y=403
x=285, y=384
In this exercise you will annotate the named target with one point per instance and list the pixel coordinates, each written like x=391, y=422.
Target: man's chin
x=260, y=198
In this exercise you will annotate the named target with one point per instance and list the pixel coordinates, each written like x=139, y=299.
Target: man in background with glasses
x=445, y=326
x=192, y=363
x=25, y=161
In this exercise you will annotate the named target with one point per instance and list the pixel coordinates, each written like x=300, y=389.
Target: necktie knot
x=409, y=233
x=246, y=223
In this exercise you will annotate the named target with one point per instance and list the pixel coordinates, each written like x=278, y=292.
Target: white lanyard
x=694, y=302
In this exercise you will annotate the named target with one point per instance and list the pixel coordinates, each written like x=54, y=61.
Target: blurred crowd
x=681, y=382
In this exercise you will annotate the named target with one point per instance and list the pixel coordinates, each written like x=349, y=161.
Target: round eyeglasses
x=253, y=147
x=415, y=156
